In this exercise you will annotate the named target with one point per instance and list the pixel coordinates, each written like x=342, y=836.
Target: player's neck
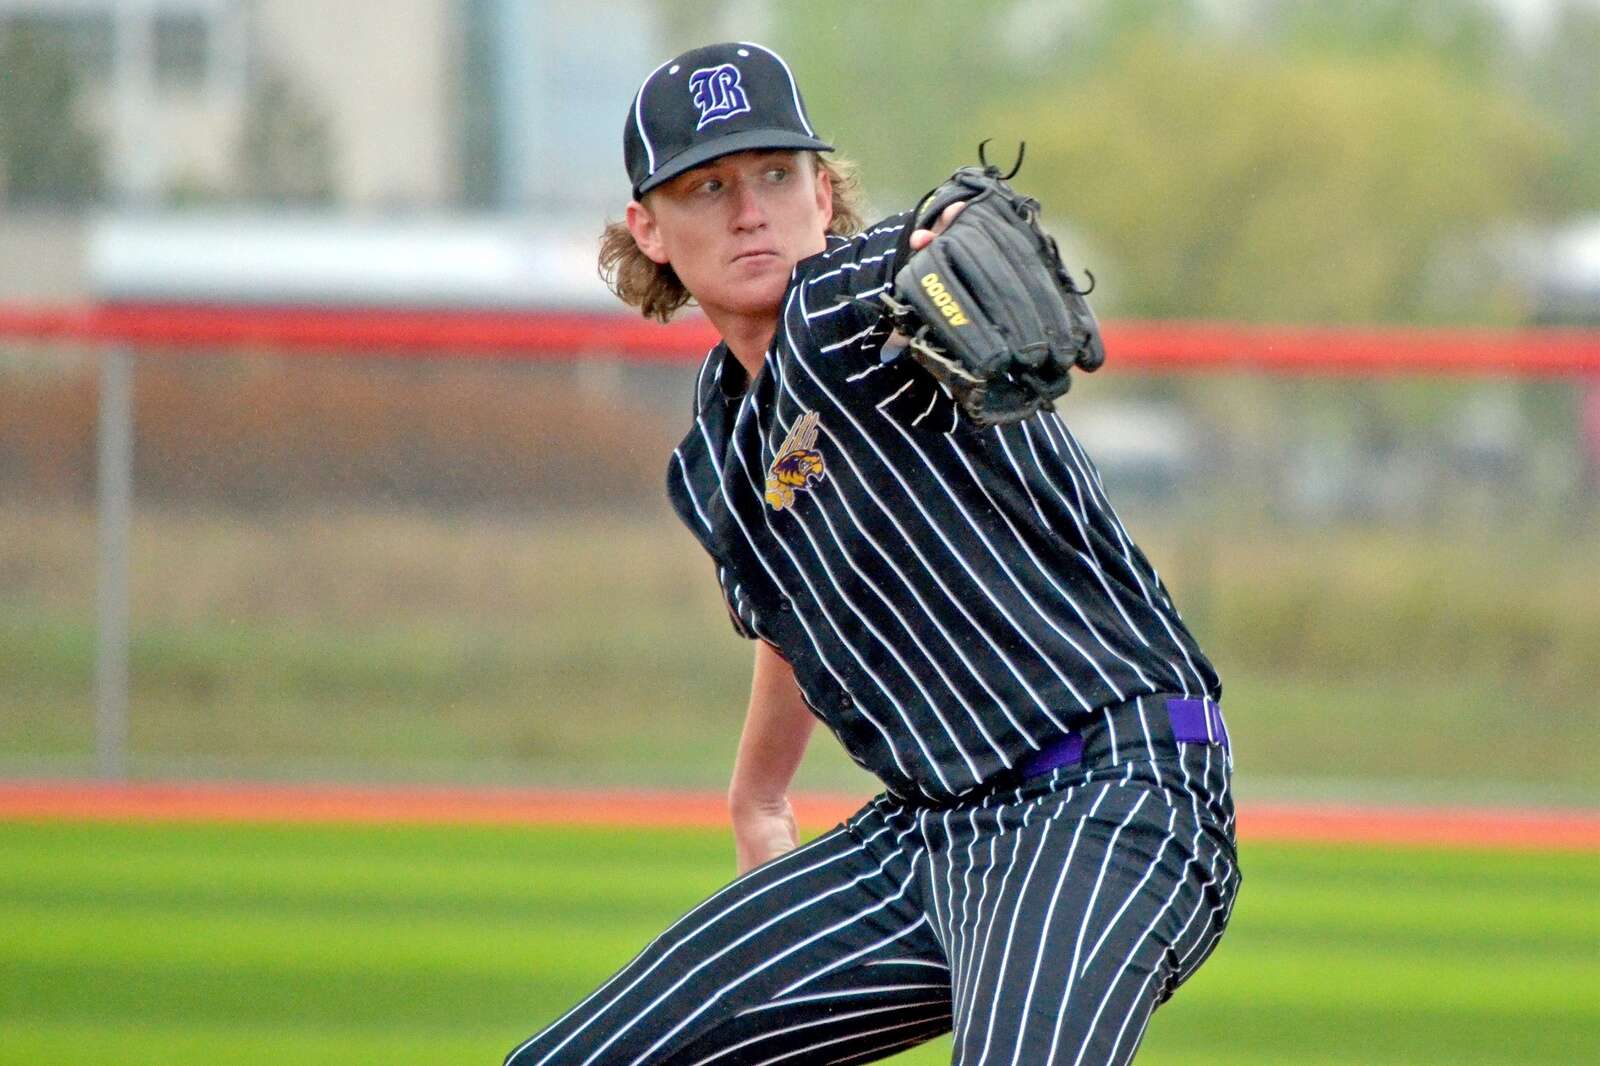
x=746, y=336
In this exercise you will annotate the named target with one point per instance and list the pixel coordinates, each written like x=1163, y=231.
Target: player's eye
x=711, y=185
x=778, y=174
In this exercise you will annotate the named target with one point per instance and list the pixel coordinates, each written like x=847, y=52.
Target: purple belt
x=1194, y=721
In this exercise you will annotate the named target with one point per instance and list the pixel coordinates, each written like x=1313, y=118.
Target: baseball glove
x=987, y=306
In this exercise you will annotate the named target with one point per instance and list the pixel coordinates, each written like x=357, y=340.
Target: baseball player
x=926, y=562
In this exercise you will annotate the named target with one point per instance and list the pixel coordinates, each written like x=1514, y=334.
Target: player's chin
x=761, y=289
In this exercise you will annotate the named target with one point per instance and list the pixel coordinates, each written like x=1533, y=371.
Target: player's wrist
x=750, y=799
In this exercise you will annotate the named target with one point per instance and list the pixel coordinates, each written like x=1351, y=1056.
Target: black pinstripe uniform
x=1053, y=852
x=963, y=608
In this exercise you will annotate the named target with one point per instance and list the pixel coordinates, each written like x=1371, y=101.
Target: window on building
x=183, y=50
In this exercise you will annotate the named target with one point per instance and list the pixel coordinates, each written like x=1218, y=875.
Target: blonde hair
x=654, y=288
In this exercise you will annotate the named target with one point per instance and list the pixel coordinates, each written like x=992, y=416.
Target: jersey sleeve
x=838, y=319
x=850, y=269
x=740, y=610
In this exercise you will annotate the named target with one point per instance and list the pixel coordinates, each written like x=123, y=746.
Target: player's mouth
x=755, y=255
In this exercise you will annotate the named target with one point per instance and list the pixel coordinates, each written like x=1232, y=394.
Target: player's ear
x=646, y=234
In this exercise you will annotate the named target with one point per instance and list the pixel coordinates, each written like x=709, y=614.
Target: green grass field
x=141, y=944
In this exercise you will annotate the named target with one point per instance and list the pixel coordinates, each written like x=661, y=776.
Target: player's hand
x=762, y=830
x=920, y=238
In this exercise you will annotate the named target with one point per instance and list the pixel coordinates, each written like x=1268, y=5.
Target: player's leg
x=822, y=955
x=1072, y=916
x=866, y=1009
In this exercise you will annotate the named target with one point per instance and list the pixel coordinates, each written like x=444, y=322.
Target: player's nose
x=749, y=212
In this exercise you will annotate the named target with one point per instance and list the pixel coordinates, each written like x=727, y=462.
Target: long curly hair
x=654, y=288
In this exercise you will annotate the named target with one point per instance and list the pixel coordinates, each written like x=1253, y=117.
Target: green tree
x=1237, y=182
x=47, y=154
x=893, y=84
x=1563, y=76
x=1469, y=37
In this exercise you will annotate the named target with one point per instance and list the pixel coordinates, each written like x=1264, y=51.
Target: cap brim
x=743, y=141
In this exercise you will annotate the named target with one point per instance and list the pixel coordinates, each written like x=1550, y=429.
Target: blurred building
x=368, y=107
x=420, y=103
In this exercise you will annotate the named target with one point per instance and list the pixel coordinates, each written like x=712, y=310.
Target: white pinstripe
x=999, y=559
x=870, y=1054
x=702, y=928
x=933, y=764
x=814, y=1022
x=1087, y=554
x=963, y=980
x=709, y=901
x=1049, y=913
x=908, y=962
x=936, y=661
x=850, y=339
x=941, y=932
x=1044, y=572
x=844, y=268
x=1140, y=1000
x=873, y=369
x=840, y=963
x=981, y=585
x=1073, y=972
x=725, y=989
x=837, y=491
x=892, y=396
x=1074, y=469
x=858, y=1036
x=841, y=993
x=1111, y=733
x=1016, y=913
x=733, y=510
x=677, y=453
x=964, y=950
x=1155, y=864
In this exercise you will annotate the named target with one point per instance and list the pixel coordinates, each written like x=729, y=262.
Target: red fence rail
x=1134, y=345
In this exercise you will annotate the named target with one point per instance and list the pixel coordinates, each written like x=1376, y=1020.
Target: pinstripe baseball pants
x=1043, y=924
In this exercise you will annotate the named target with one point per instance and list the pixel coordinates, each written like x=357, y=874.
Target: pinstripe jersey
x=950, y=597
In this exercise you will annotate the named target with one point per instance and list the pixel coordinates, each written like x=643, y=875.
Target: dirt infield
x=210, y=802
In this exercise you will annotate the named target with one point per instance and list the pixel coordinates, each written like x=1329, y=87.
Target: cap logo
x=717, y=93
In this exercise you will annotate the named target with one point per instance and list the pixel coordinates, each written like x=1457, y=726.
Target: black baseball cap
x=709, y=102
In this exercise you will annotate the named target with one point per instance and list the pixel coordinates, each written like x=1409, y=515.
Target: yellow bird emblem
x=797, y=465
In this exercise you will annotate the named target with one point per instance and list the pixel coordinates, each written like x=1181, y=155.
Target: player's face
x=734, y=228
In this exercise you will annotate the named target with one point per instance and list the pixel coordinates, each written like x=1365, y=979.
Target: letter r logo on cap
x=717, y=93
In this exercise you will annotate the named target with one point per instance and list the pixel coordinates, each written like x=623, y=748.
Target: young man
x=1053, y=852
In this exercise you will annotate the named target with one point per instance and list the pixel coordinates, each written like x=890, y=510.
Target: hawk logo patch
x=798, y=463
x=717, y=93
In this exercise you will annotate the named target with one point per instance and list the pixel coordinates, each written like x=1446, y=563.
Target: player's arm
x=841, y=289
x=777, y=727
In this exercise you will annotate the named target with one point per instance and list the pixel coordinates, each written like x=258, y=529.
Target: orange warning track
x=205, y=802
